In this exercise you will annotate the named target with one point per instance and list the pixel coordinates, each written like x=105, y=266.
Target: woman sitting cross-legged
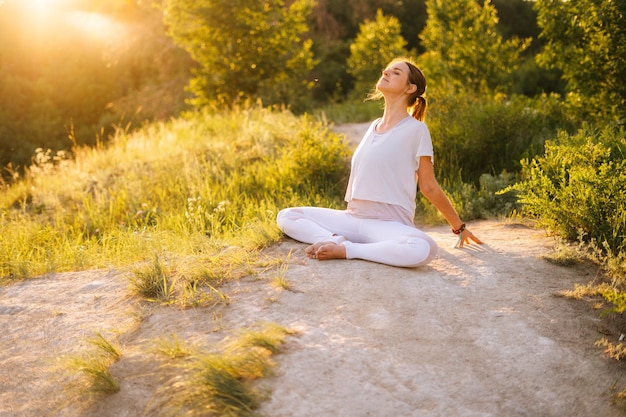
x=393, y=158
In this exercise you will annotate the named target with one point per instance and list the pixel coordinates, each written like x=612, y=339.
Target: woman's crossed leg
x=338, y=234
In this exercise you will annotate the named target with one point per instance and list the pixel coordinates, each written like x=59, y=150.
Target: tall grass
x=190, y=187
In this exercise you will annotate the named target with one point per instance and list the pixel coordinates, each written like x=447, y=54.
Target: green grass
x=91, y=369
x=222, y=382
x=151, y=281
x=563, y=254
x=280, y=279
x=201, y=189
x=172, y=347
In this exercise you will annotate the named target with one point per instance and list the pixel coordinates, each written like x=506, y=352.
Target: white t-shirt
x=382, y=182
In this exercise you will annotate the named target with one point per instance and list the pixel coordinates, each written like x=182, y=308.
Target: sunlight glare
x=96, y=25
x=41, y=6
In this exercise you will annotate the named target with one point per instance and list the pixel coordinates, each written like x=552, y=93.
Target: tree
x=465, y=50
x=517, y=18
x=244, y=49
x=586, y=40
x=377, y=43
x=334, y=26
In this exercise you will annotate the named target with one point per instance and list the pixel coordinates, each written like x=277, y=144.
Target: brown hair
x=416, y=103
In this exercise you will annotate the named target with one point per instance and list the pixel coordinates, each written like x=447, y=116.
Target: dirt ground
x=478, y=332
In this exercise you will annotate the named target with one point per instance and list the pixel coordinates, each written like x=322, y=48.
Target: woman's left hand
x=464, y=238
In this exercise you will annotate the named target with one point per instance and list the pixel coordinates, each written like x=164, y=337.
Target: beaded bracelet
x=459, y=230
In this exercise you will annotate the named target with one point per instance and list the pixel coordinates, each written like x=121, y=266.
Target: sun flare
x=41, y=6
x=95, y=25
x=42, y=11
x=43, y=17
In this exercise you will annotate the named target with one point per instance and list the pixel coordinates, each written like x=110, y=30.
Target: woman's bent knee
x=288, y=214
x=424, y=251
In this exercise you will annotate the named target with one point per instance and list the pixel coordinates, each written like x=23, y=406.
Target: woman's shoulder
x=416, y=126
x=416, y=123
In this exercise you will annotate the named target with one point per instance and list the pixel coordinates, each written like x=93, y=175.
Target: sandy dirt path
x=478, y=332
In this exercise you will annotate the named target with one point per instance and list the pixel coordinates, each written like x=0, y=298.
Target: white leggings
x=387, y=242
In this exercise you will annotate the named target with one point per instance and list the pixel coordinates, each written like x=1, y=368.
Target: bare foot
x=311, y=250
x=326, y=250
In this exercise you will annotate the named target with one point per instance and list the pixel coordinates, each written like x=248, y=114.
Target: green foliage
x=586, y=40
x=172, y=347
x=473, y=135
x=562, y=254
x=335, y=25
x=532, y=80
x=301, y=165
x=377, y=43
x=64, y=83
x=613, y=265
x=465, y=52
x=105, y=347
x=473, y=202
x=578, y=187
x=268, y=338
x=244, y=50
x=331, y=81
x=517, y=18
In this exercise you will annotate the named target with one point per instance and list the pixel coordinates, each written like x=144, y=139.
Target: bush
x=474, y=135
x=577, y=190
x=312, y=162
x=473, y=202
x=578, y=187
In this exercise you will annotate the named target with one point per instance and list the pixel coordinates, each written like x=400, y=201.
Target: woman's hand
x=464, y=238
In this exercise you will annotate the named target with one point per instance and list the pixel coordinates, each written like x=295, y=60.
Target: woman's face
x=394, y=79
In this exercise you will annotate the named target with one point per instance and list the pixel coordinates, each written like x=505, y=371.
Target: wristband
x=459, y=230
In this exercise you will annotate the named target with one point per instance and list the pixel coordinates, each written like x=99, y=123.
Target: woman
x=393, y=158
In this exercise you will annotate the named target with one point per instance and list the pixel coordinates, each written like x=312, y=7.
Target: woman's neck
x=394, y=112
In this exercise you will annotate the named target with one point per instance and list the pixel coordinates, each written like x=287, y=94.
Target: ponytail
x=418, y=108
x=417, y=101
